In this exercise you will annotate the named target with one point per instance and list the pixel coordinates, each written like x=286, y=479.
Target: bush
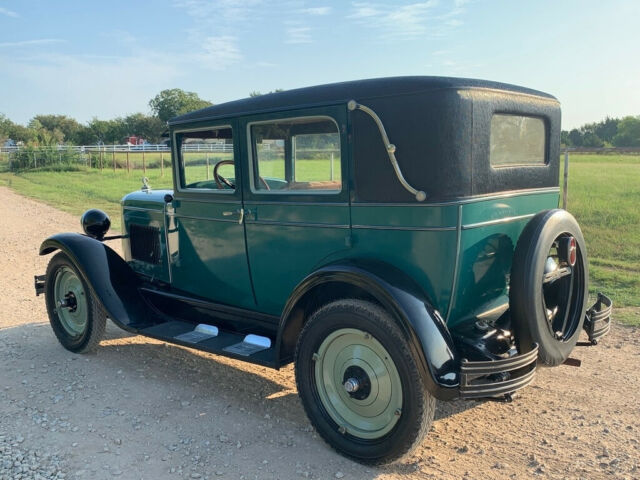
x=31, y=158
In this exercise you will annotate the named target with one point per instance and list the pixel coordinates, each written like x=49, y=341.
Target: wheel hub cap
x=71, y=301
x=358, y=383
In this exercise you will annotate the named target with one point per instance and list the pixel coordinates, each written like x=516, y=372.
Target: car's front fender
x=109, y=276
x=422, y=325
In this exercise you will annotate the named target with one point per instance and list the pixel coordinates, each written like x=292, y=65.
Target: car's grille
x=145, y=243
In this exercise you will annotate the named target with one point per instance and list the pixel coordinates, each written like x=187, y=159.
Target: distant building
x=134, y=140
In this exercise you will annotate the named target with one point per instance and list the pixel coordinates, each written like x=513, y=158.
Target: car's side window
x=206, y=159
x=296, y=155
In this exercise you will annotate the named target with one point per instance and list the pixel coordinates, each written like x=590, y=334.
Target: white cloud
x=411, y=20
x=316, y=11
x=216, y=12
x=298, y=34
x=219, y=52
x=8, y=13
x=26, y=43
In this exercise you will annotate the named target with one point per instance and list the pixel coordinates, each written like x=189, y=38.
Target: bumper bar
x=38, y=281
x=497, y=377
x=597, y=322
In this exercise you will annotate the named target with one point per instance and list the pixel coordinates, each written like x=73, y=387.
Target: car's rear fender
x=108, y=275
x=421, y=324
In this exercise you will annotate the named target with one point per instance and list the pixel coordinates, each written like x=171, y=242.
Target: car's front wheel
x=359, y=383
x=76, y=315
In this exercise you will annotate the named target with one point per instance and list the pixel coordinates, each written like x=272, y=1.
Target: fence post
x=113, y=157
x=101, y=157
x=207, y=166
x=565, y=185
x=331, y=166
x=128, y=164
x=144, y=166
x=162, y=164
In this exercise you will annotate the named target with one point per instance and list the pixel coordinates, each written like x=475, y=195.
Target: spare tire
x=548, y=288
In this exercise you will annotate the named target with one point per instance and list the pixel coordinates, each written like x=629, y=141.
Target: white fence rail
x=190, y=147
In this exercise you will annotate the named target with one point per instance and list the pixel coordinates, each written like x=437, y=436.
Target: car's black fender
x=422, y=325
x=109, y=276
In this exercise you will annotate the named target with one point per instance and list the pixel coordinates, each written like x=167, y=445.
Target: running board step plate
x=255, y=349
x=250, y=345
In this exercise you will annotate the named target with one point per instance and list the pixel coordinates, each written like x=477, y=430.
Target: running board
x=207, y=338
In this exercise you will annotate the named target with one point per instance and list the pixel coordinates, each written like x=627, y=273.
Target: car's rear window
x=517, y=140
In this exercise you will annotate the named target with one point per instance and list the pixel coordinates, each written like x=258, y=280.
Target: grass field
x=604, y=195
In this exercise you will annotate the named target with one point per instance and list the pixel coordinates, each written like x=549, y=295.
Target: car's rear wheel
x=548, y=293
x=359, y=383
x=76, y=316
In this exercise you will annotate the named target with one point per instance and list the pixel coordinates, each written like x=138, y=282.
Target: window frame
x=545, y=126
x=179, y=167
x=253, y=169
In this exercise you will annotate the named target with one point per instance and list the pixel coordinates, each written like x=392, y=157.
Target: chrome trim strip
x=456, y=264
x=498, y=221
x=295, y=224
x=267, y=202
x=209, y=200
x=390, y=148
x=189, y=217
x=421, y=229
x=141, y=209
x=464, y=200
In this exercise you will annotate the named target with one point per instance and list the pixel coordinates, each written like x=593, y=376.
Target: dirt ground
x=142, y=409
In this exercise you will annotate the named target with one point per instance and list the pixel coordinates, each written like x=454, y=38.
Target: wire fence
x=70, y=157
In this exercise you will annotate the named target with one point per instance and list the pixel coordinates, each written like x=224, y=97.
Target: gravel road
x=142, y=409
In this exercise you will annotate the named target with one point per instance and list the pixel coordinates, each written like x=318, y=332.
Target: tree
x=147, y=127
x=575, y=137
x=69, y=127
x=628, y=133
x=607, y=129
x=564, y=139
x=170, y=103
x=257, y=93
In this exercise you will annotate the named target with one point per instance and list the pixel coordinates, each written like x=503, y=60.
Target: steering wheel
x=219, y=178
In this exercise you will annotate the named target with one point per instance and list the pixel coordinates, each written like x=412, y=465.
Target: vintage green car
x=438, y=266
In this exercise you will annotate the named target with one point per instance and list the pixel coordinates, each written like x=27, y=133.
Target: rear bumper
x=597, y=322
x=497, y=377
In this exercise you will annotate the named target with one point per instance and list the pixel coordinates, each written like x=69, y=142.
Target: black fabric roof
x=343, y=92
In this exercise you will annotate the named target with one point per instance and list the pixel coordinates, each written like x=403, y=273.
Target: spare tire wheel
x=548, y=291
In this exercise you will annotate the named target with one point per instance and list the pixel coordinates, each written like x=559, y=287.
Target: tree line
x=49, y=130
x=610, y=132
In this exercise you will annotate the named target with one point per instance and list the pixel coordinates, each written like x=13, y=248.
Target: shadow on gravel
x=226, y=382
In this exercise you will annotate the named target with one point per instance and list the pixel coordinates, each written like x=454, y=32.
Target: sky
x=90, y=59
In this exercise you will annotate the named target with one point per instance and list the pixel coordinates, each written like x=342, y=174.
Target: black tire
x=91, y=324
x=414, y=419
x=532, y=319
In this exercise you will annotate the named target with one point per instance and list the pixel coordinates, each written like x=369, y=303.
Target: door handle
x=240, y=212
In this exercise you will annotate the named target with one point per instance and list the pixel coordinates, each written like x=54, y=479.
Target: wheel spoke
x=556, y=274
x=567, y=308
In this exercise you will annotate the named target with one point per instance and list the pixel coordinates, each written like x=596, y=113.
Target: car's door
x=205, y=219
x=297, y=201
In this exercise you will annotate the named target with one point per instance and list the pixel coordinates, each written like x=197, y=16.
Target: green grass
x=604, y=195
